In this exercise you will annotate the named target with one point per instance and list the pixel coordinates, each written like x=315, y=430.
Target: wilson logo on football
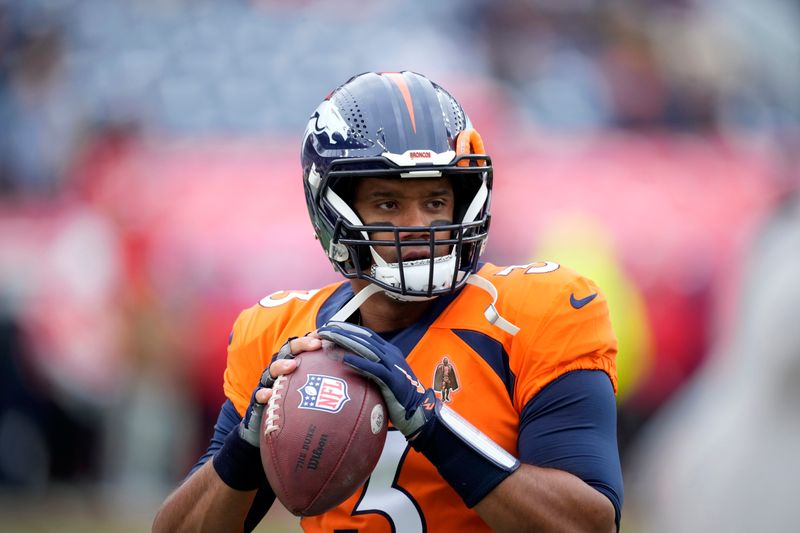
x=323, y=393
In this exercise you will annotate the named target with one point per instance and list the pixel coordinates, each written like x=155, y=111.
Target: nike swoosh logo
x=577, y=303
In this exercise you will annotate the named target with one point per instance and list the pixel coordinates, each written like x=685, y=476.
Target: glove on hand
x=250, y=426
x=410, y=405
x=467, y=459
x=238, y=461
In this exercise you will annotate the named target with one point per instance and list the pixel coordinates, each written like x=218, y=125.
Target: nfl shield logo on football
x=323, y=393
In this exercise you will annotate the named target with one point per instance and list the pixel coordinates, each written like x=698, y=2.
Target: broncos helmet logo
x=327, y=119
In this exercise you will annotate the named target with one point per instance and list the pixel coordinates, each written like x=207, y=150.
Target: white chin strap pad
x=417, y=273
x=491, y=313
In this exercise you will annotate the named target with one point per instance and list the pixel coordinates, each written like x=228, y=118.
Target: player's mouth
x=416, y=255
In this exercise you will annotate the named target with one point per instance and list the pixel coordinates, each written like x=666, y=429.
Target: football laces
x=272, y=406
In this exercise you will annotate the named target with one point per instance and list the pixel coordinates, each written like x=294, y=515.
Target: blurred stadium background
x=150, y=189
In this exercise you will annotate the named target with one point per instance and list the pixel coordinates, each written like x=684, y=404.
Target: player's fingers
x=280, y=367
x=366, y=367
x=263, y=395
x=305, y=344
x=351, y=342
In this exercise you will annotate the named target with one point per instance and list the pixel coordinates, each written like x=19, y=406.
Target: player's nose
x=414, y=216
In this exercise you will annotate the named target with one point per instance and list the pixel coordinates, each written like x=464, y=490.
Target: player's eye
x=388, y=204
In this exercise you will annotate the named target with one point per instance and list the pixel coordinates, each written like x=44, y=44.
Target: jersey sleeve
x=571, y=425
x=245, y=360
x=260, y=331
x=572, y=332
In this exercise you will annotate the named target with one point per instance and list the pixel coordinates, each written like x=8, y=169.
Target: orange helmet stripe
x=397, y=79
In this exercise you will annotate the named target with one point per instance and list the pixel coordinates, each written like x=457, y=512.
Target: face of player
x=406, y=202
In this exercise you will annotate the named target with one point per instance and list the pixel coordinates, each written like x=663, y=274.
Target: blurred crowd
x=150, y=189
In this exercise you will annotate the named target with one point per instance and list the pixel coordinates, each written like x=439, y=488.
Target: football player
x=398, y=186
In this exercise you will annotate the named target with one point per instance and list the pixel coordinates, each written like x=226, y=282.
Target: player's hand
x=282, y=363
x=410, y=405
x=238, y=461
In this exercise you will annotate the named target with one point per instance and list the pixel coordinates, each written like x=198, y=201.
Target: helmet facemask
x=454, y=247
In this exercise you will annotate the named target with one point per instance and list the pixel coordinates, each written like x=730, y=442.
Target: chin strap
x=490, y=313
x=355, y=302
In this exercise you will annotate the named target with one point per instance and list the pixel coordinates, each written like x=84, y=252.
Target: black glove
x=410, y=405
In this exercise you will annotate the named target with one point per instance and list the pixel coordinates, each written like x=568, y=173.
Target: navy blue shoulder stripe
x=335, y=301
x=491, y=351
x=405, y=339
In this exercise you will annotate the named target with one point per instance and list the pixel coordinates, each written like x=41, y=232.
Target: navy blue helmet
x=396, y=125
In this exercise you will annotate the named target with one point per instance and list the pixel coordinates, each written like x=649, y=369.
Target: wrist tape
x=238, y=463
x=467, y=459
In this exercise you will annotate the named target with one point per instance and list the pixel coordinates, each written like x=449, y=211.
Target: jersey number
x=275, y=299
x=541, y=267
x=383, y=496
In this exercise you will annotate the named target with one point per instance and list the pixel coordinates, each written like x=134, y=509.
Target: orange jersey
x=488, y=377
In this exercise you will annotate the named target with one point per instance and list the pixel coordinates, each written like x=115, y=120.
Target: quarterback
x=500, y=380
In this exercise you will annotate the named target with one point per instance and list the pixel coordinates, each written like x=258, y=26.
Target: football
x=322, y=432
